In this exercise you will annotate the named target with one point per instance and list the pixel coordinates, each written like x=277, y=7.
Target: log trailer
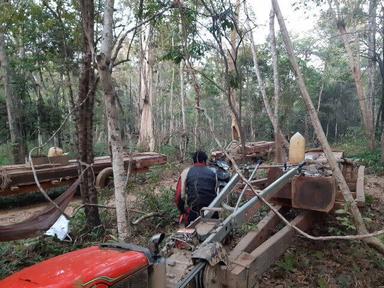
x=59, y=171
x=204, y=253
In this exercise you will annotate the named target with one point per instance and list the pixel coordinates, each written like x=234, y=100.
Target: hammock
x=40, y=222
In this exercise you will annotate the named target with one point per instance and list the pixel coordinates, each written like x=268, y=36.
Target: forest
x=102, y=78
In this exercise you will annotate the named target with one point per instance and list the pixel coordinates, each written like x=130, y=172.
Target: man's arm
x=178, y=199
x=181, y=191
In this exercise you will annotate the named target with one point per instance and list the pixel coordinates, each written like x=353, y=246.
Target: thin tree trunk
x=382, y=146
x=276, y=85
x=319, y=100
x=261, y=83
x=146, y=136
x=358, y=220
x=371, y=69
x=84, y=116
x=172, y=118
x=336, y=131
x=114, y=135
x=354, y=65
x=184, y=135
x=195, y=84
x=235, y=119
x=13, y=106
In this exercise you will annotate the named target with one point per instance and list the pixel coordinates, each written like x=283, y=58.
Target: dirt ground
x=334, y=264
x=306, y=263
x=15, y=215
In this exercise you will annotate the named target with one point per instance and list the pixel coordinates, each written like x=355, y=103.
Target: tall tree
x=104, y=65
x=219, y=26
x=84, y=116
x=232, y=70
x=276, y=86
x=146, y=136
x=272, y=115
x=351, y=203
x=13, y=102
x=354, y=64
x=184, y=133
x=371, y=43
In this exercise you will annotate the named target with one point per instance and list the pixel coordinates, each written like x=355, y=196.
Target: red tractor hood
x=90, y=267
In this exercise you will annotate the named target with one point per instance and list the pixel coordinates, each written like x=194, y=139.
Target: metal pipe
x=220, y=197
x=238, y=216
x=246, y=186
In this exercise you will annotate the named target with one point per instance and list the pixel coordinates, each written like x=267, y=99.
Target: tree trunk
x=172, y=118
x=235, y=111
x=13, y=104
x=84, y=115
x=263, y=92
x=382, y=146
x=371, y=69
x=146, y=137
x=276, y=85
x=114, y=135
x=358, y=220
x=184, y=136
x=353, y=60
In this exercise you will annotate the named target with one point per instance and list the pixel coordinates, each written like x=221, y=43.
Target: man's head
x=199, y=157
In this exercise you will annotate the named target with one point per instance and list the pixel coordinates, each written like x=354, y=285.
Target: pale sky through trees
x=299, y=22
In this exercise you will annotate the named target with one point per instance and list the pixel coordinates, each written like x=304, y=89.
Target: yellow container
x=296, y=149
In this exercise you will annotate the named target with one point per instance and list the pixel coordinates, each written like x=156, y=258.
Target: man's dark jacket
x=196, y=189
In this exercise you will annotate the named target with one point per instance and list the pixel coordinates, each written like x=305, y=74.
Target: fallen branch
x=149, y=215
x=102, y=206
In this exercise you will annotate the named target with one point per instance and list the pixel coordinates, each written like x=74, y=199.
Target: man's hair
x=199, y=157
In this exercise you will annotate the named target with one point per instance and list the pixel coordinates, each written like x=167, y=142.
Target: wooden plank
x=253, y=239
x=33, y=188
x=268, y=252
x=360, y=193
x=252, y=265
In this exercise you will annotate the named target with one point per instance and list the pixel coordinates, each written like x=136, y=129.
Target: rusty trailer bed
x=18, y=179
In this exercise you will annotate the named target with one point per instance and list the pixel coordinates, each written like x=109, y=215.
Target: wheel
x=103, y=179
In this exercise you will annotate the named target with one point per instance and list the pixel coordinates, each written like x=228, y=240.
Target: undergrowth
x=355, y=146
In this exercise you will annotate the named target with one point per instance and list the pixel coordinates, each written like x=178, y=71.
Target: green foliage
x=369, y=200
x=344, y=223
x=234, y=80
x=5, y=155
x=170, y=151
x=161, y=202
x=175, y=55
x=322, y=283
x=372, y=160
x=288, y=264
x=344, y=280
x=100, y=149
x=355, y=145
